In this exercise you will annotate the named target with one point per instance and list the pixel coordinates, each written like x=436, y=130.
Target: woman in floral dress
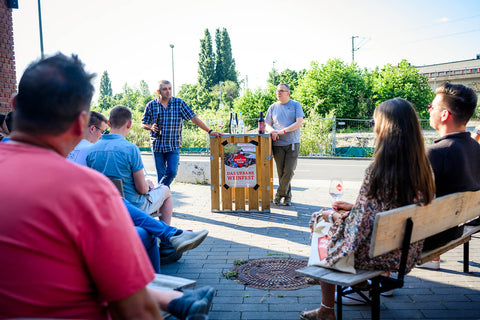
x=399, y=175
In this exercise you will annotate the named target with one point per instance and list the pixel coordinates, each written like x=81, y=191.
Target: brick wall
x=8, y=82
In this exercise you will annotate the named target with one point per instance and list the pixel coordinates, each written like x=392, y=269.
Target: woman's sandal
x=310, y=315
x=315, y=314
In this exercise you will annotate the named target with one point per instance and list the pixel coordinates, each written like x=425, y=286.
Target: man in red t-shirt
x=69, y=248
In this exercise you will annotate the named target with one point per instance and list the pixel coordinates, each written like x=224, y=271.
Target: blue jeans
x=149, y=229
x=150, y=243
x=167, y=166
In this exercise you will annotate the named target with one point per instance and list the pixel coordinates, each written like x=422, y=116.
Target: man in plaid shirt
x=164, y=117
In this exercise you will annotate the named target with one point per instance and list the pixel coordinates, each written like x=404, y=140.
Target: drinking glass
x=336, y=188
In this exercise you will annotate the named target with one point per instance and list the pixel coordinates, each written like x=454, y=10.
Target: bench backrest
x=119, y=184
x=443, y=213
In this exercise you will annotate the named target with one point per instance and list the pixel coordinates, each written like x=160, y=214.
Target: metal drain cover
x=272, y=273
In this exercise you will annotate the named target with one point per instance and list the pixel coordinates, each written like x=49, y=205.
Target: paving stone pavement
x=444, y=294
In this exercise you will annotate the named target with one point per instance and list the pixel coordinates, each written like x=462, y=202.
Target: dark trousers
x=286, y=162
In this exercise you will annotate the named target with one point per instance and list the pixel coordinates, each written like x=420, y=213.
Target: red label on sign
x=240, y=160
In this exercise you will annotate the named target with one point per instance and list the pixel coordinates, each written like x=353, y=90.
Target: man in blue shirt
x=164, y=117
x=118, y=158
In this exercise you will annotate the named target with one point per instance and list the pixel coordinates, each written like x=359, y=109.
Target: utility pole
x=353, y=48
x=361, y=44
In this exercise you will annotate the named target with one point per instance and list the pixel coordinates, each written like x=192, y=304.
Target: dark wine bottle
x=261, y=124
x=230, y=123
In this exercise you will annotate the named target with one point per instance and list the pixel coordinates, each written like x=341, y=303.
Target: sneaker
x=353, y=298
x=431, y=265
x=277, y=199
x=188, y=240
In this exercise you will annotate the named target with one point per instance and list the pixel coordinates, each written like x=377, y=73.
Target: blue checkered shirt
x=170, y=122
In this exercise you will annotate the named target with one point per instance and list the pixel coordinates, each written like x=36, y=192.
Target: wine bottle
x=234, y=124
x=230, y=123
x=241, y=125
x=261, y=124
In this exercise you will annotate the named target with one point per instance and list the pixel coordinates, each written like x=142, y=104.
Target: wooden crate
x=247, y=199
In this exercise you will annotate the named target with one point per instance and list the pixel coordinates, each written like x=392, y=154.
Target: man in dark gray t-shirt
x=283, y=121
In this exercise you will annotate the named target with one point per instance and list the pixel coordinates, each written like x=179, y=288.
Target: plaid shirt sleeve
x=187, y=113
x=148, y=114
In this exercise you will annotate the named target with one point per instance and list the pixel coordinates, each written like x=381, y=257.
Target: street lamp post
x=40, y=28
x=173, y=71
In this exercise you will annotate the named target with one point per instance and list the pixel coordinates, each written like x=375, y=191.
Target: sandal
x=317, y=314
x=310, y=315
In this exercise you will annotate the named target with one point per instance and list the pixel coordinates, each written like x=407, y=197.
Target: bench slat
x=338, y=277
x=443, y=213
x=467, y=235
x=165, y=282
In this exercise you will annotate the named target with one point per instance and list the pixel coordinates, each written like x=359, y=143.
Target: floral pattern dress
x=352, y=234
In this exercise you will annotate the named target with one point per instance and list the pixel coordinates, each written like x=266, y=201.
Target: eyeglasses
x=102, y=131
x=281, y=91
x=430, y=108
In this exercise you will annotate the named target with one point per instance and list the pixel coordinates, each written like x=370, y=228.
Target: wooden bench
x=165, y=282
x=398, y=228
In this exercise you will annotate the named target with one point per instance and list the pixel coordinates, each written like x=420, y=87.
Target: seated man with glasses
x=97, y=126
x=455, y=155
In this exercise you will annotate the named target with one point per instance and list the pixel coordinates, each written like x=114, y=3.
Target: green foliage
x=197, y=97
x=105, y=85
x=402, y=81
x=252, y=102
x=206, y=62
x=224, y=63
x=290, y=77
x=334, y=86
x=316, y=135
x=105, y=102
x=230, y=91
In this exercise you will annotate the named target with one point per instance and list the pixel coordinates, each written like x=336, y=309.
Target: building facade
x=8, y=82
x=466, y=72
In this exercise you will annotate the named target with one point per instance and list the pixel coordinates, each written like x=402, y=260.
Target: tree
x=402, y=81
x=105, y=85
x=290, y=77
x=105, y=98
x=144, y=90
x=197, y=97
x=206, y=62
x=334, y=86
x=252, y=102
x=224, y=63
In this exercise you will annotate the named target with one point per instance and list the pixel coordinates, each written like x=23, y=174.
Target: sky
x=131, y=39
